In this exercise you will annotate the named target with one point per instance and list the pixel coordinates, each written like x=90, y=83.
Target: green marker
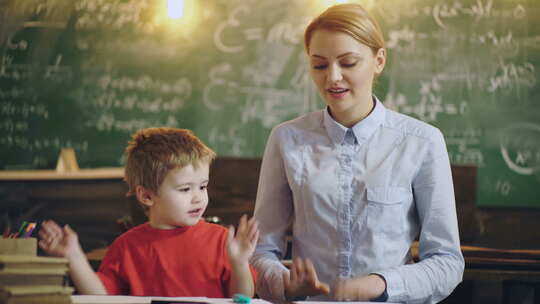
x=242, y=299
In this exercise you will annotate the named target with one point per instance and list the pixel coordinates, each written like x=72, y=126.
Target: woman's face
x=343, y=69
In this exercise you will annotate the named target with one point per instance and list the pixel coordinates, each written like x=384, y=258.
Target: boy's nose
x=198, y=196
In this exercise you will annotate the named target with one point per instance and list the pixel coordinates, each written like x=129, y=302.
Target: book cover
x=44, y=294
x=35, y=276
x=32, y=262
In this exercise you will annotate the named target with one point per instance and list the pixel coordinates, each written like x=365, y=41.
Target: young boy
x=175, y=253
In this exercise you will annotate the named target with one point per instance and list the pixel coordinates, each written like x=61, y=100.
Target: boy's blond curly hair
x=153, y=152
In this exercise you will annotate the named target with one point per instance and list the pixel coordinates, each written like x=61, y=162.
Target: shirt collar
x=362, y=130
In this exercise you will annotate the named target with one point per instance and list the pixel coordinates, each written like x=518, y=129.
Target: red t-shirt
x=183, y=262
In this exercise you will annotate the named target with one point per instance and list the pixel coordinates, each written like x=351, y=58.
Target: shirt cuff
x=384, y=296
x=395, y=288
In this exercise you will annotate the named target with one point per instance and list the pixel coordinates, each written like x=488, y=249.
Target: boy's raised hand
x=240, y=246
x=58, y=241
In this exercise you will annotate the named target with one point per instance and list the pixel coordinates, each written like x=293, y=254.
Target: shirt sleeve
x=273, y=211
x=110, y=271
x=441, y=264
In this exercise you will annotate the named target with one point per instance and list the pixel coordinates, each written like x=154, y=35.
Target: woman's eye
x=183, y=189
x=320, y=67
x=204, y=187
x=348, y=65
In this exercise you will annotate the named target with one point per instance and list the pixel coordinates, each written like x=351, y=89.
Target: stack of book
x=27, y=279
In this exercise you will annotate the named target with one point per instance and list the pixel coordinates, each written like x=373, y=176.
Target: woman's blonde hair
x=351, y=19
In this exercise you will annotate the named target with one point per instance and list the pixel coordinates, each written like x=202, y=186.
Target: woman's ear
x=144, y=196
x=380, y=60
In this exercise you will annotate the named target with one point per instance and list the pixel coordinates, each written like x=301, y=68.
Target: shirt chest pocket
x=386, y=211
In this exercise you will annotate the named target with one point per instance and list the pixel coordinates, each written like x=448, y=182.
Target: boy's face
x=181, y=199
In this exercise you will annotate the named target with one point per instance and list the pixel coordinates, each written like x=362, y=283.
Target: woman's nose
x=334, y=73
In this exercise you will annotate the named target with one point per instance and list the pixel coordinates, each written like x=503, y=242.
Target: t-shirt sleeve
x=110, y=271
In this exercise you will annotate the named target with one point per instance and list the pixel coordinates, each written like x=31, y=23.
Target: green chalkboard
x=87, y=73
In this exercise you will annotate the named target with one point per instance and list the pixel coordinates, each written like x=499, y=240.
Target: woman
x=358, y=182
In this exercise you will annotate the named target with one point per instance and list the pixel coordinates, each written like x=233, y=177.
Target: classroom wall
x=94, y=207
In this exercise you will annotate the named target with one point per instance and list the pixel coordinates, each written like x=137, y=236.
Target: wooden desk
x=510, y=267
x=76, y=299
x=480, y=263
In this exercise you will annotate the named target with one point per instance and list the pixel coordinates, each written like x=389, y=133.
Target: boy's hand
x=362, y=288
x=241, y=246
x=59, y=241
x=302, y=280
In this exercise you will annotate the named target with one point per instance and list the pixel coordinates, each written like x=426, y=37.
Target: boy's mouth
x=195, y=212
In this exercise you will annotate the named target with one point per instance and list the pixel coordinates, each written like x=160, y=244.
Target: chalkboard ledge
x=98, y=173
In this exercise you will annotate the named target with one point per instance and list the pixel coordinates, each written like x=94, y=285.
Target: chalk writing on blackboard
x=464, y=145
x=520, y=148
x=109, y=67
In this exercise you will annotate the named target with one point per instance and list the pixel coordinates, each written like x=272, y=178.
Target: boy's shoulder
x=143, y=231
x=133, y=233
x=206, y=227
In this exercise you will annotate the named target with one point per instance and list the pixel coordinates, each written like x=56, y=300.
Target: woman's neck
x=350, y=117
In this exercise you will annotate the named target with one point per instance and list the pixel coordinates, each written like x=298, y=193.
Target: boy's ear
x=144, y=196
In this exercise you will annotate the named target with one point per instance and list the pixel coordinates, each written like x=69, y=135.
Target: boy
x=175, y=253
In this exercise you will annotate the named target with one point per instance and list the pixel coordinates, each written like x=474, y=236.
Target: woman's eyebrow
x=338, y=57
x=347, y=54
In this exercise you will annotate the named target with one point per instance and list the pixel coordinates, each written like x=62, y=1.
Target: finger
x=324, y=288
x=230, y=235
x=293, y=271
x=300, y=269
x=255, y=238
x=43, y=245
x=242, y=227
x=47, y=227
x=310, y=272
x=45, y=235
x=42, y=234
x=67, y=230
x=253, y=229
x=252, y=221
x=286, y=279
x=54, y=228
x=53, y=242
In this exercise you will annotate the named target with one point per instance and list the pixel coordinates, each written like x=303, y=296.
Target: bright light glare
x=175, y=9
x=324, y=4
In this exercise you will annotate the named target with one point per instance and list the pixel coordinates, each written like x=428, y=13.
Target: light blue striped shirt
x=358, y=198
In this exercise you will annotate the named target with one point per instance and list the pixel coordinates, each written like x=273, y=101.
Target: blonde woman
x=358, y=182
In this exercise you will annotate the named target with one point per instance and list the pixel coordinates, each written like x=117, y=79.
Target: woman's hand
x=240, y=246
x=302, y=281
x=59, y=241
x=362, y=288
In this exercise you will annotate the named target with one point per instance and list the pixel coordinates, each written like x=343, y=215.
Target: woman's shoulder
x=305, y=122
x=410, y=126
